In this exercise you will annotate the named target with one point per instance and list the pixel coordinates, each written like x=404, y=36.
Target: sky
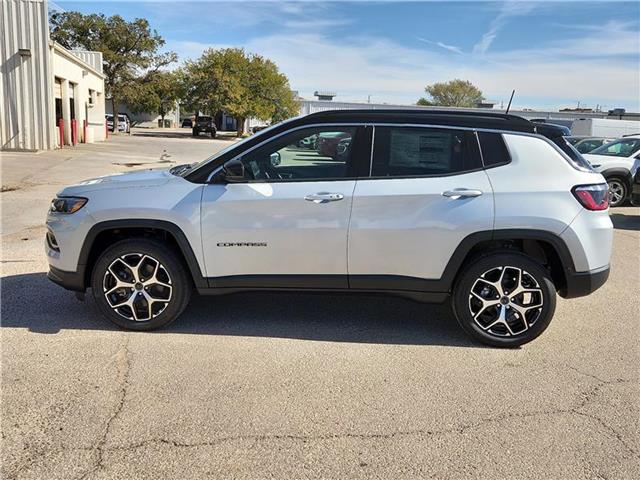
x=554, y=54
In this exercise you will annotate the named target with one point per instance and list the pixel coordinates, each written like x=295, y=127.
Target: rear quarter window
x=494, y=150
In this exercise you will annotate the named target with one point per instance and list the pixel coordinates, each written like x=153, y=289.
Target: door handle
x=324, y=197
x=461, y=193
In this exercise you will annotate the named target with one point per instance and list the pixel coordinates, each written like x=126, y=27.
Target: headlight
x=67, y=204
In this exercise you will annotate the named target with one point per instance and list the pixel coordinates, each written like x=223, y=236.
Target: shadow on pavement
x=323, y=317
x=622, y=221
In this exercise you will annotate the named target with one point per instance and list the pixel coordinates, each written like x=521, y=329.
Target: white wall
x=74, y=72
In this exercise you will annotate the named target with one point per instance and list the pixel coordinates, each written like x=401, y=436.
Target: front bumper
x=580, y=284
x=70, y=280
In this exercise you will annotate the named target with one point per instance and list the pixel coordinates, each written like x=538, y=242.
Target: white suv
x=614, y=161
x=489, y=210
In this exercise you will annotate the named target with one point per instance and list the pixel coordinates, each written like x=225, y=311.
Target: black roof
x=463, y=118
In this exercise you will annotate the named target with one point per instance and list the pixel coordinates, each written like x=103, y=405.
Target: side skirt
x=407, y=287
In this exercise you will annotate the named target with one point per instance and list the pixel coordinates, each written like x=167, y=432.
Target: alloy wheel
x=137, y=287
x=616, y=191
x=505, y=301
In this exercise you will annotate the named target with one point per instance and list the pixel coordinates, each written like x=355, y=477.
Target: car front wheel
x=140, y=284
x=504, y=299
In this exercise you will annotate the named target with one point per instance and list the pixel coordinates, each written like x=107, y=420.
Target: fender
x=620, y=172
x=184, y=245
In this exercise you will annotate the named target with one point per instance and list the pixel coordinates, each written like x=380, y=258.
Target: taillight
x=593, y=197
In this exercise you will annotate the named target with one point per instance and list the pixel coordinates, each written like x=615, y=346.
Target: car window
x=620, y=148
x=402, y=152
x=494, y=150
x=320, y=153
x=585, y=146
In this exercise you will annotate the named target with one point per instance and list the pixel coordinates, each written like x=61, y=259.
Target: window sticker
x=425, y=149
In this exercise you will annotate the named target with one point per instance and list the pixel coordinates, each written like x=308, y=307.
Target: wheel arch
x=103, y=234
x=544, y=246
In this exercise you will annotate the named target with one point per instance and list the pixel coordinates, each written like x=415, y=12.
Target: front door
x=427, y=192
x=285, y=223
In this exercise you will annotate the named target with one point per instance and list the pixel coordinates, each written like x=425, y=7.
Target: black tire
x=513, y=333
x=621, y=188
x=179, y=284
x=195, y=132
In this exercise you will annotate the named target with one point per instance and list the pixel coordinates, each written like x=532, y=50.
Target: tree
x=156, y=92
x=242, y=85
x=455, y=93
x=129, y=49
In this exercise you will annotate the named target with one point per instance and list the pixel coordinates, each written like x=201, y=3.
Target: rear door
x=426, y=192
x=286, y=223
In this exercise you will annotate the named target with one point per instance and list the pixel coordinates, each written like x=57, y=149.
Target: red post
x=84, y=130
x=74, y=132
x=106, y=128
x=61, y=128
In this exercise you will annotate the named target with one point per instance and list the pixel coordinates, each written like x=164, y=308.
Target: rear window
x=494, y=150
x=577, y=160
x=416, y=152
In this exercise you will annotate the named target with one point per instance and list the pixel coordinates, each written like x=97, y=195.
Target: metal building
x=43, y=84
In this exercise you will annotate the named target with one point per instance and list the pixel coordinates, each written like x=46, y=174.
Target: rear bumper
x=70, y=280
x=580, y=284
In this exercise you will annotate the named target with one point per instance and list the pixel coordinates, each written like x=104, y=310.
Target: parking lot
x=265, y=385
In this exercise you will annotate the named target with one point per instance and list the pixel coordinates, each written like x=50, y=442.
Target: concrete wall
x=27, y=107
x=77, y=78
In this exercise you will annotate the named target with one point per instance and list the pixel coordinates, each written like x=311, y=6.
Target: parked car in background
x=327, y=143
x=586, y=144
x=257, y=128
x=566, y=131
x=614, y=160
x=435, y=206
x=187, y=123
x=634, y=181
x=124, y=124
x=206, y=124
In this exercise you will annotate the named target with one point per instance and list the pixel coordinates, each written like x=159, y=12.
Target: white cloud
x=451, y=48
x=508, y=10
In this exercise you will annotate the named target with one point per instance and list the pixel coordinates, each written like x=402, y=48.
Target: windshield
x=620, y=148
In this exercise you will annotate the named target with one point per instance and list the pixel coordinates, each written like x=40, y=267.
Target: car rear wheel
x=504, y=299
x=617, y=191
x=140, y=284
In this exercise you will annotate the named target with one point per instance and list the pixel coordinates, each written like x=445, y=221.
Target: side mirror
x=232, y=172
x=275, y=159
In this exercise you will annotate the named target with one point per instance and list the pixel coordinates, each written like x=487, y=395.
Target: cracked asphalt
x=299, y=386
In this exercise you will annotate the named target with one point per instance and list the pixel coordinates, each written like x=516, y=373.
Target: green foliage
x=455, y=93
x=129, y=50
x=156, y=92
x=242, y=85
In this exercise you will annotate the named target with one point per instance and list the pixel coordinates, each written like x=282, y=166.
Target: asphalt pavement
x=295, y=385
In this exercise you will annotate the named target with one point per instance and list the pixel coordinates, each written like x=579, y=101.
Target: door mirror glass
x=233, y=171
x=275, y=159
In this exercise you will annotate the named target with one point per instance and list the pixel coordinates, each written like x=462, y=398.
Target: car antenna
x=510, y=99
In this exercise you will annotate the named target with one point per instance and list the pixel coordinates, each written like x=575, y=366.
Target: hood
x=137, y=179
